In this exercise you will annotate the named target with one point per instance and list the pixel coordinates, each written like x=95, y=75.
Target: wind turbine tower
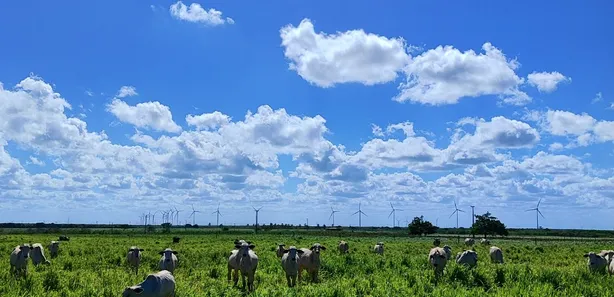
x=360, y=214
x=257, y=210
x=332, y=215
x=537, y=213
x=177, y=215
x=217, y=213
x=393, y=214
x=456, y=211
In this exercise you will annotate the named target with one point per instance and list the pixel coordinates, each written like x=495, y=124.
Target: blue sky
x=115, y=108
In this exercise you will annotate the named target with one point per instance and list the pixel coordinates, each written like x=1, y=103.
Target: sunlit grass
x=95, y=266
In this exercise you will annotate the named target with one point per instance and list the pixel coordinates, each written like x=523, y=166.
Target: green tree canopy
x=487, y=224
x=419, y=226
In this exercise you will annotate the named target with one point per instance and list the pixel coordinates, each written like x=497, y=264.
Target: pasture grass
x=95, y=265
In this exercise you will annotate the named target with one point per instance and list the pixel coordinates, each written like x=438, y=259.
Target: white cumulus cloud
x=353, y=56
x=212, y=120
x=547, y=82
x=151, y=115
x=126, y=91
x=195, y=13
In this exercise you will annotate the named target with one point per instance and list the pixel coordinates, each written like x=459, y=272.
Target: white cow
x=608, y=255
x=248, y=262
x=289, y=262
x=310, y=261
x=468, y=258
x=595, y=262
x=168, y=261
x=54, y=248
x=379, y=248
x=496, y=255
x=161, y=284
x=19, y=259
x=484, y=241
x=37, y=253
x=134, y=257
x=438, y=260
x=469, y=241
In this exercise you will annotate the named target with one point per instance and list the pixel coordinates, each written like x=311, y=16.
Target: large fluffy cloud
x=151, y=115
x=240, y=160
x=351, y=56
x=444, y=75
x=547, y=82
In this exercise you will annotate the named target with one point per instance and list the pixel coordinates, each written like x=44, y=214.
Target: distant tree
x=420, y=226
x=486, y=224
x=317, y=225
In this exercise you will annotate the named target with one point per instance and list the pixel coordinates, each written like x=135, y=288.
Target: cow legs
x=250, y=281
x=243, y=279
x=229, y=272
x=235, y=276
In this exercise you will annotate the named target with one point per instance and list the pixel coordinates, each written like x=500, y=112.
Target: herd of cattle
x=243, y=259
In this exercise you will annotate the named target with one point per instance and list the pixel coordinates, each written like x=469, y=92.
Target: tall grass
x=94, y=265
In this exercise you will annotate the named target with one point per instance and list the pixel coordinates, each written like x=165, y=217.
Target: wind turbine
x=332, y=214
x=218, y=214
x=393, y=213
x=537, y=212
x=360, y=214
x=193, y=215
x=456, y=211
x=257, y=210
x=176, y=215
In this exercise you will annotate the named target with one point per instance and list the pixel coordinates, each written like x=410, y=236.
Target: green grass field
x=95, y=266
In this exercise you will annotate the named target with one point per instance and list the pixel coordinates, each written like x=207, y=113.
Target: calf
x=134, y=258
x=310, y=261
x=290, y=263
x=19, y=259
x=438, y=260
x=168, y=261
x=343, y=247
x=379, y=248
x=161, y=284
x=37, y=253
x=54, y=249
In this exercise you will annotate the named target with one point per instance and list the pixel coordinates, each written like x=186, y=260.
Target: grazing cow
x=379, y=248
x=19, y=259
x=134, y=258
x=289, y=262
x=485, y=241
x=37, y=253
x=63, y=238
x=469, y=241
x=54, y=248
x=608, y=255
x=496, y=255
x=343, y=247
x=436, y=242
x=248, y=262
x=596, y=263
x=160, y=284
x=448, y=251
x=168, y=261
x=468, y=258
x=280, y=250
x=310, y=261
x=438, y=260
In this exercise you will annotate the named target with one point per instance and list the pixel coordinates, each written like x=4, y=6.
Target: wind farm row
x=171, y=215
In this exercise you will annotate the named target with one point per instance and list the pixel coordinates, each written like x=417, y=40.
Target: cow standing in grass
x=134, y=258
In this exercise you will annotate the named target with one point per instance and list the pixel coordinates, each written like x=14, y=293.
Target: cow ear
x=286, y=251
x=237, y=246
x=141, y=250
x=585, y=255
x=251, y=246
x=322, y=247
x=249, y=242
x=175, y=252
x=138, y=290
x=300, y=252
x=161, y=253
x=312, y=247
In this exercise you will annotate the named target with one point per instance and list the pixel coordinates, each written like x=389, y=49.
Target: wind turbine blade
x=453, y=213
x=461, y=210
x=539, y=202
x=364, y=214
x=355, y=213
x=455, y=205
x=531, y=209
x=540, y=213
x=391, y=205
x=390, y=213
x=331, y=215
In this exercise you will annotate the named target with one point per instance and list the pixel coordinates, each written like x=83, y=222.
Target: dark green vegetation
x=94, y=265
x=488, y=225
